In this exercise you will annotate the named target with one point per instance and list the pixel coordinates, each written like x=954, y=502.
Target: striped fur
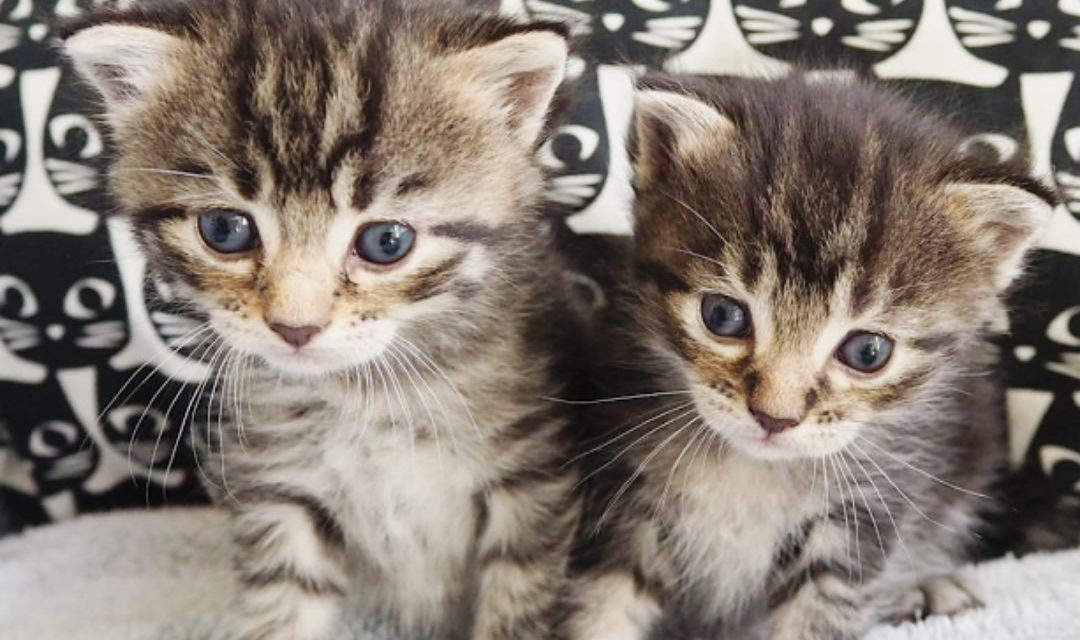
x=403, y=460
x=825, y=208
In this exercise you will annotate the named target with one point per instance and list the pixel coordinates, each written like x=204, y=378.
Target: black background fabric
x=95, y=382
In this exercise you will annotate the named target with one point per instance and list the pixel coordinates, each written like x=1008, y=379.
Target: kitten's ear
x=124, y=62
x=669, y=126
x=519, y=74
x=1006, y=220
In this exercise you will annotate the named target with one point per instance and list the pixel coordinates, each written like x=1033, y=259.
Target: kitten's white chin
x=301, y=364
x=762, y=448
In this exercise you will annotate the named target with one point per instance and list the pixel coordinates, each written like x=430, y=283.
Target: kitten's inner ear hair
x=1006, y=219
x=123, y=62
x=671, y=126
x=519, y=75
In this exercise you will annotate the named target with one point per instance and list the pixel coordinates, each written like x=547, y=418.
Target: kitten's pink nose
x=296, y=336
x=772, y=424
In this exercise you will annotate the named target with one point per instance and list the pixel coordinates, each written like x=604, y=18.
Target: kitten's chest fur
x=729, y=523
x=404, y=484
x=409, y=511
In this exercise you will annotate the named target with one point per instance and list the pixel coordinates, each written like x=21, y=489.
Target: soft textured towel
x=164, y=575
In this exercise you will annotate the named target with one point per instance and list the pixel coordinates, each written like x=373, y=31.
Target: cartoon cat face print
x=1022, y=35
x=639, y=31
x=812, y=31
x=71, y=314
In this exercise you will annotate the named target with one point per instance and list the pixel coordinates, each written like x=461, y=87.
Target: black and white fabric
x=78, y=320
x=95, y=382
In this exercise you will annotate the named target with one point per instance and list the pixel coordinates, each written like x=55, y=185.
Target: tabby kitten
x=810, y=420
x=346, y=189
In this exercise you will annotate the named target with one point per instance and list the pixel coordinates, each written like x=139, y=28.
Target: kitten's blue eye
x=724, y=316
x=865, y=352
x=228, y=231
x=385, y=242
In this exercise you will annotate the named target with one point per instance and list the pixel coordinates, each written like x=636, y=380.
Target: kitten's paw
x=941, y=595
x=290, y=620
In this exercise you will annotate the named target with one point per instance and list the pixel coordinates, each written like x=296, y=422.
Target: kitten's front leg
x=825, y=607
x=611, y=606
x=288, y=556
x=523, y=552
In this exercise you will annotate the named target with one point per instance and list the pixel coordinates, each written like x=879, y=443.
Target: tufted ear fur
x=518, y=75
x=125, y=63
x=669, y=126
x=1005, y=219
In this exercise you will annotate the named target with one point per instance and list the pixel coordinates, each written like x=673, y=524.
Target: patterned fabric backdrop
x=97, y=392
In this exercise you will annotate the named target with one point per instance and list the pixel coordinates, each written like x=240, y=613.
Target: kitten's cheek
x=234, y=333
x=817, y=440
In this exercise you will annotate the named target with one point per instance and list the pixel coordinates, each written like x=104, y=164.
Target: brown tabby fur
x=825, y=207
x=404, y=460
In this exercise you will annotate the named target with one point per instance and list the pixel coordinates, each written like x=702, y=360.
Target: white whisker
x=434, y=396
x=197, y=333
x=223, y=375
x=701, y=446
x=904, y=495
x=852, y=484
x=437, y=370
x=398, y=357
x=700, y=217
x=697, y=255
x=840, y=484
x=866, y=503
x=191, y=412
x=641, y=469
x=174, y=173
x=623, y=433
x=888, y=512
x=637, y=396
x=633, y=444
x=702, y=431
x=214, y=150
x=925, y=474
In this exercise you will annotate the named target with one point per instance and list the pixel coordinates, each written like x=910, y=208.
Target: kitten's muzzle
x=771, y=424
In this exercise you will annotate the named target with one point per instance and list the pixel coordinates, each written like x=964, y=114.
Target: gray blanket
x=165, y=575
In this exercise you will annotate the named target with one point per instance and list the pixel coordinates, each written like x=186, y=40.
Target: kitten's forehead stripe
x=376, y=66
x=363, y=192
x=273, y=58
x=413, y=182
x=245, y=57
x=246, y=178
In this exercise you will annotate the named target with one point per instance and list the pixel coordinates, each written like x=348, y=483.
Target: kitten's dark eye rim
x=227, y=232
x=384, y=243
x=725, y=316
x=865, y=352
